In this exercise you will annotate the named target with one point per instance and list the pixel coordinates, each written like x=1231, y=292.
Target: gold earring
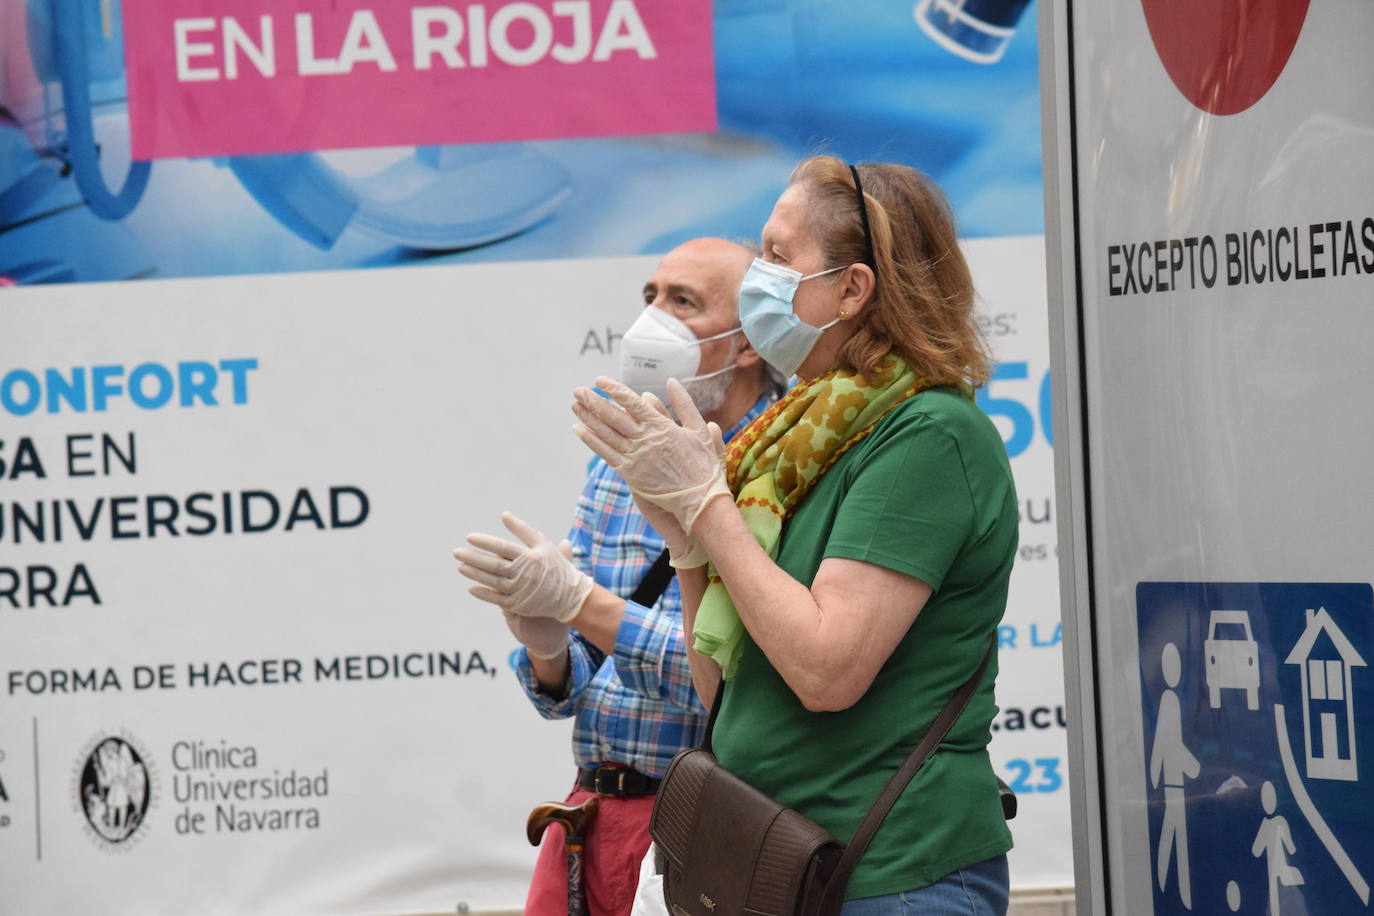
x=844, y=316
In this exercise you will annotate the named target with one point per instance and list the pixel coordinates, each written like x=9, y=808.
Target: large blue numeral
x=1051, y=780
x=1020, y=783
x=1049, y=769
x=1046, y=405
x=1022, y=423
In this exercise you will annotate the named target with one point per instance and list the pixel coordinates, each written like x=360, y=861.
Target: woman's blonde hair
x=923, y=307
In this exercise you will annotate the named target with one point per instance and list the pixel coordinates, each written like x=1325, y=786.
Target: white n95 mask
x=765, y=313
x=659, y=346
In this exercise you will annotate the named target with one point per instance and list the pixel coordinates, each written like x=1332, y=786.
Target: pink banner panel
x=241, y=77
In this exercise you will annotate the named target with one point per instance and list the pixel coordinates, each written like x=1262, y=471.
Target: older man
x=619, y=665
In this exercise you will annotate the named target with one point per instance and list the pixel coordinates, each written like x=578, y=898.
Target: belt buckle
x=613, y=786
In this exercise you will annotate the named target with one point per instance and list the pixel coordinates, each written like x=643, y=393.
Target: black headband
x=871, y=261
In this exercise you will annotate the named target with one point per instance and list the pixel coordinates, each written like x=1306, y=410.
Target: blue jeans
x=978, y=890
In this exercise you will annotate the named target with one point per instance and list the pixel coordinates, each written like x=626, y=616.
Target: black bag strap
x=655, y=581
x=711, y=719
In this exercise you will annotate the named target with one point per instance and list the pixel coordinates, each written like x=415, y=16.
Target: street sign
x=1257, y=702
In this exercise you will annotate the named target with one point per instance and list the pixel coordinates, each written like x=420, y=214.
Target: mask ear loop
x=729, y=364
x=871, y=261
x=737, y=329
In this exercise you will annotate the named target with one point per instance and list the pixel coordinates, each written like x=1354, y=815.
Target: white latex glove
x=684, y=550
x=542, y=637
x=537, y=579
x=681, y=468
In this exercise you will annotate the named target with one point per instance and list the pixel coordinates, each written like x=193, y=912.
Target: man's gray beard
x=709, y=393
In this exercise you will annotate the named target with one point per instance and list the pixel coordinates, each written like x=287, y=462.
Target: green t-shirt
x=928, y=493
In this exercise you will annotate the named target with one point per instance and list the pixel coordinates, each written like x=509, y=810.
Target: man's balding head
x=698, y=283
x=707, y=272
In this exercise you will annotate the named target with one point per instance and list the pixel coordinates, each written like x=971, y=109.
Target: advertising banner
x=234, y=647
x=779, y=80
x=1028, y=737
x=1219, y=258
x=272, y=76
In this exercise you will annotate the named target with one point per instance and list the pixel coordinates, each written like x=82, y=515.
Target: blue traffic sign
x=1258, y=705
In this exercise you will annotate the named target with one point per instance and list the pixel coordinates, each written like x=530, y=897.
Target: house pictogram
x=1326, y=658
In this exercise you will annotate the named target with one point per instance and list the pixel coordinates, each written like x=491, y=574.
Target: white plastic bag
x=649, y=895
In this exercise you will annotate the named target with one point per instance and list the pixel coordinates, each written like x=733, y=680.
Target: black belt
x=617, y=782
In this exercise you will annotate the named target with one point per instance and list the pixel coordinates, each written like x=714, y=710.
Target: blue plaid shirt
x=636, y=707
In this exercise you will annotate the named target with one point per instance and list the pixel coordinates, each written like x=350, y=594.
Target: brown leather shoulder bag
x=727, y=849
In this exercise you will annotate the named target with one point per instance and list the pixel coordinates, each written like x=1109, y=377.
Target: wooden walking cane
x=575, y=820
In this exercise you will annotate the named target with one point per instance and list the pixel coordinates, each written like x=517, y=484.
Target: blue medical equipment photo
x=863, y=79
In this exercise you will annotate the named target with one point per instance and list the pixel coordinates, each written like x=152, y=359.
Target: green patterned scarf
x=775, y=461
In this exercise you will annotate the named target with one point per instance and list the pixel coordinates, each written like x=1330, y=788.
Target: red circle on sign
x=1224, y=55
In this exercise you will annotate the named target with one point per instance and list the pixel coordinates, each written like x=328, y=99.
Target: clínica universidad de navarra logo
x=114, y=789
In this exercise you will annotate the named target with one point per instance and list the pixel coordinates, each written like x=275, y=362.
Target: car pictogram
x=1232, y=657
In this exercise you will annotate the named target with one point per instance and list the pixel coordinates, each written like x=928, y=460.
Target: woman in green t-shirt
x=859, y=569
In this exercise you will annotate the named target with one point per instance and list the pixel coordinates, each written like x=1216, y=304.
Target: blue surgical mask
x=765, y=313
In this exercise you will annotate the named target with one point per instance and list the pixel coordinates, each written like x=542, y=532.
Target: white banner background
x=442, y=393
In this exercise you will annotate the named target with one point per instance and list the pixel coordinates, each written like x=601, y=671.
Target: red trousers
x=616, y=844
